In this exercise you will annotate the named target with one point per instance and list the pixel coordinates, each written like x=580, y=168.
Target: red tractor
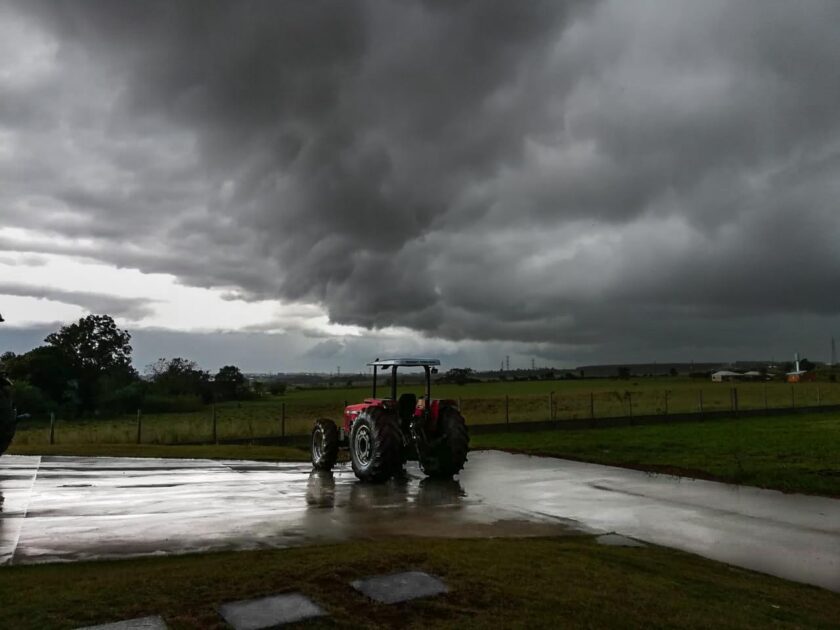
x=382, y=433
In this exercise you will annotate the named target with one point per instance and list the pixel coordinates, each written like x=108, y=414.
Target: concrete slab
x=77, y=508
x=400, y=587
x=141, y=623
x=270, y=612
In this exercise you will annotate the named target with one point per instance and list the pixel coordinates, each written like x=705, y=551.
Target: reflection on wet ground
x=74, y=508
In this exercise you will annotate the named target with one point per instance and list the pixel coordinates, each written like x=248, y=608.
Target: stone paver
x=270, y=612
x=141, y=623
x=400, y=587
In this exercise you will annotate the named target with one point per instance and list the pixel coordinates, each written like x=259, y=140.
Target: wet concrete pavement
x=76, y=508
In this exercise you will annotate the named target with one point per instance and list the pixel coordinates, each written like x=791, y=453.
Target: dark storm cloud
x=561, y=174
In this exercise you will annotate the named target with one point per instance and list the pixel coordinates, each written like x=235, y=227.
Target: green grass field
x=481, y=403
x=569, y=582
x=799, y=453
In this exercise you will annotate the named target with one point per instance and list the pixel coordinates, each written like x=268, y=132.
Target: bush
x=124, y=400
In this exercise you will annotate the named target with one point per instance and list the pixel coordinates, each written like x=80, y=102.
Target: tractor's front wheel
x=375, y=445
x=324, y=444
x=447, y=452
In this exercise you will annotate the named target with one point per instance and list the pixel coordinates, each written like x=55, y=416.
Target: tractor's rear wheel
x=324, y=444
x=376, y=445
x=448, y=451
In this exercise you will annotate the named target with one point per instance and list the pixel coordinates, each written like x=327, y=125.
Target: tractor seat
x=406, y=405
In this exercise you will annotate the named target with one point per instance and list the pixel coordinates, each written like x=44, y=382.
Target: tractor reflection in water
x=383, y=433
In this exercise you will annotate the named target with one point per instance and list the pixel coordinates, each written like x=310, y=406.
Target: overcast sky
x=302, y=185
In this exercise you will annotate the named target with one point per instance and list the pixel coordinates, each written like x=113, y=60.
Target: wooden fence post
x=793, y=397
x=592, y=405
x=551, y=406
x=52, y=425
x=765, y=396
x=507, y=409
x=819, y=397
x=666, y=402
x=735, y=398
x=139, y=426
x=215, y=433
x=700, y=399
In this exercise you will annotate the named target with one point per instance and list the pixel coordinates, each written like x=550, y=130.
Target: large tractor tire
x=7, y=416
x=324, y=444
x=448, y=452
x=376, y=445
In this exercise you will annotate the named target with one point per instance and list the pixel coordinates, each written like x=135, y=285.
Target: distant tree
x=277, y=388
x=623, y=373
x=673, y=371
x=229, y=383
x=258, y=387
x=458, y=376
x=92, y=348
x=179, y=377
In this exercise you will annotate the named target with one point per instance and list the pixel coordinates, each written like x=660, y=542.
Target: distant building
x=798, y=375
x=726, y=375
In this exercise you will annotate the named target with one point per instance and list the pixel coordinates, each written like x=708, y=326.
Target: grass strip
x=556, y=582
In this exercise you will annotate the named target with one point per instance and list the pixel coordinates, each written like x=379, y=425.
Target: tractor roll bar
x=428, y=365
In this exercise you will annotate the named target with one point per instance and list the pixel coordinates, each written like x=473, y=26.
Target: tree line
x=85, y=369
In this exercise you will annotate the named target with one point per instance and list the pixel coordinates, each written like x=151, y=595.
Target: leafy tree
x=459, y=376
x=92, y=348
x=229, y=383
x=277, y=388
x=45, y=367
x=179, y=377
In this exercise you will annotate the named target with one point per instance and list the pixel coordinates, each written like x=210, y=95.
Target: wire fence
x=287, y=418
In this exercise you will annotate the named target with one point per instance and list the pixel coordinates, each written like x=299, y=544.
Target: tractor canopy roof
x=404, y=362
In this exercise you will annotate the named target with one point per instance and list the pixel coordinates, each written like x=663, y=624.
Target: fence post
x=507, y=409
x=765, y=396
x=819, y=397
x=460, y=406
x=215, y=434
x=52, y=425
x=551, y=406
x=792, y=397
x=700, y=398
x=592, y=405
x=139, y=426
x=630, y=403
x=666, y=402
x=283, y=419
x=735, y=398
